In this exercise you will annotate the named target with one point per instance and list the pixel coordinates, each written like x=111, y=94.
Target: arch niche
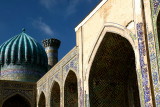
x=55, y=95
x=71, y=90
x=42, y=100
x=112, y=78
x=16, y=101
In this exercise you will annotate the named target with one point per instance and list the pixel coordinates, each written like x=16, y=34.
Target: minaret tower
x=51, y=47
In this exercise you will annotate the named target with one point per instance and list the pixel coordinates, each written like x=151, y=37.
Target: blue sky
x=44, y=19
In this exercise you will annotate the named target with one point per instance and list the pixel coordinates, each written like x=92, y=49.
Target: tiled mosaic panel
x=55, y=95
x=20, y=75
x=112, y=81
x=72, y=65
x=71, y=91
x=29, y=73
x=16, y=101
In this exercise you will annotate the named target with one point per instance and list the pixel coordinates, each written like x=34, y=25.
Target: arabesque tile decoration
x=153, y=46
x=144, y=69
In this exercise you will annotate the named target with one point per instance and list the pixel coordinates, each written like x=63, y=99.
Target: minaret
x=51, y=47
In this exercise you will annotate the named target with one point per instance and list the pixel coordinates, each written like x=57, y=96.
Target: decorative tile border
x=144, y=69
x=81, y=94
x=154, y=50
x=154, y=66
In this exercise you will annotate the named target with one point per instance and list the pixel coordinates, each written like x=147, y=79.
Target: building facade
x=115, y=62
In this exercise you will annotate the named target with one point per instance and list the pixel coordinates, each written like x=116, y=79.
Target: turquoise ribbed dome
x=22, y=49
x=22, y=58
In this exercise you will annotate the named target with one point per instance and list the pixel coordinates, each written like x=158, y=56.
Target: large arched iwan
x=158, y=28
x=16, y=101
x=113, y=78
x=55, y=95
x=42, y=100
x=71, y=90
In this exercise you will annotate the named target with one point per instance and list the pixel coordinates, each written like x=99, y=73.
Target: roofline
x=90, y=14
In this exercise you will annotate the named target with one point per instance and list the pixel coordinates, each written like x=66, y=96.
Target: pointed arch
x=71, y=90
x=16, y=101
x=55, y=95
x=112, y=79
x=42, y=100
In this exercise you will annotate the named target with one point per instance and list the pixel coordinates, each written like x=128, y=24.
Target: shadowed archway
x=71, y=90
x=158, y=28
x=16, y=101
x=113, y=79
x=55, y=95
x=42, y=100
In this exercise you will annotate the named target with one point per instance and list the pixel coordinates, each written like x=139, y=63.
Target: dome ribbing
x=22, y=50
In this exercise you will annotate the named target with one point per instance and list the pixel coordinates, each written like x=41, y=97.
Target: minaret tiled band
x=51, y=48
